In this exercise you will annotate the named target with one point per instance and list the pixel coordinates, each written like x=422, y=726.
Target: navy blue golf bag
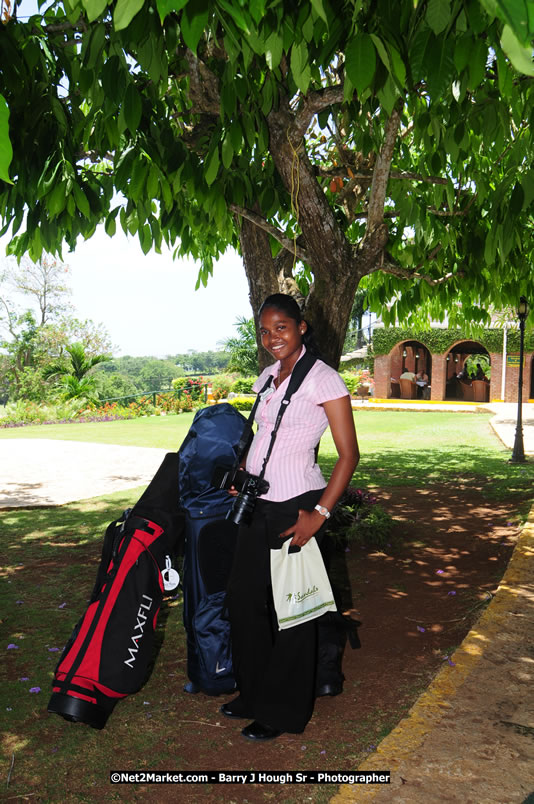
x=210, y=541
x=111, y=649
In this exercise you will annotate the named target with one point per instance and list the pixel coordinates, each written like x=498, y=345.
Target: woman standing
x=275, y=670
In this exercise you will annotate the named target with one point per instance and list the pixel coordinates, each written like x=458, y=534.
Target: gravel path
x=43, y=472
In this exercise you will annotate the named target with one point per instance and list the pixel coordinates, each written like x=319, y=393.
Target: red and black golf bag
x=111, y=648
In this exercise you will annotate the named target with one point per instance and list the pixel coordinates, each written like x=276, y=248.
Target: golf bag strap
x=300, y=370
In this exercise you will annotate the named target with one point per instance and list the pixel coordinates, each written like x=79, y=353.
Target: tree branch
x=314, y=102
x=390, y=266
x=278, y=235
x=203, y=86
x=367, y=175
x=381, y=171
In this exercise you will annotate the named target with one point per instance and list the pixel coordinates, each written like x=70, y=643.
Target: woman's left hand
x=304, y=528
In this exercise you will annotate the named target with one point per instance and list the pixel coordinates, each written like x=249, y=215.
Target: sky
x=148, y=304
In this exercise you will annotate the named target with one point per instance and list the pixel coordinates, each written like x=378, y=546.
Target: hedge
x=439, y=341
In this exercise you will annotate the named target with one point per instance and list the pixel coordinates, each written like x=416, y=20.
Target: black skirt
x=274, y=670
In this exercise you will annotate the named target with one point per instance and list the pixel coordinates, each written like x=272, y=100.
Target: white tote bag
x=301, y=589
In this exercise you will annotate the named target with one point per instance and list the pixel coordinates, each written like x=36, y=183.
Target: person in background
x=275, y=669
x=407, y=375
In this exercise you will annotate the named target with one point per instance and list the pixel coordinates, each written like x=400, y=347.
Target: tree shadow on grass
x=423, y=466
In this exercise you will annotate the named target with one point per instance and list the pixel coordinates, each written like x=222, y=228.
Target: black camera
x=249, y=488
x=241, y=511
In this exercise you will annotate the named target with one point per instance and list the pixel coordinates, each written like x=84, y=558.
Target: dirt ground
x=416, y=603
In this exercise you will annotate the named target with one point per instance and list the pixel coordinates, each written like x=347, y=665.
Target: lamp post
x=518, y=454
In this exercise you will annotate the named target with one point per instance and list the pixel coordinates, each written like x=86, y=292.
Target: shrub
x=191, y=385
x=220, y=387
x=25, y=412
x=243, y=385
x=359, y=518
x=352, y=380
x=242, y=403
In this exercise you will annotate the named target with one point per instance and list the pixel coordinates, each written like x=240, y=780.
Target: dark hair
x=288, y=305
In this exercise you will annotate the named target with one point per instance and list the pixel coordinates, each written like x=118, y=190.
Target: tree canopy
x=331, y=142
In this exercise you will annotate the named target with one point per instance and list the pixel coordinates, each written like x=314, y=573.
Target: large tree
x=331, y=142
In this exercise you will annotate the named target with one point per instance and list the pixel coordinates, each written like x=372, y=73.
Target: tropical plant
x=73, y=374
x=242, y=348
x=474, y=361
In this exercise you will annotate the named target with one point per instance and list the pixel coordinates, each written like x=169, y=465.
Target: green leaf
x=382, y=52
x=212, y=167
x=438, y=15
x=145, y=238
x=56, y=201
x=6, y=151
x=110, y=225
x=440, y=67
x=300, y=67
x=417, y=53
x=521, y=57
x=462, y=51
x=193, y=22
x=527, y=183
x=132, y=108
x=250, y=130
x=274, y=47
x=388, y=94
x=236, y=135
x=399, y=69
x=167, y=6
x=477, y=63
x=227, y=151
x=360, y=61
x=94, y=8
x=516, y=200
x=318, y=7
x=152, y=183
x=125, y=11
x=81, y=201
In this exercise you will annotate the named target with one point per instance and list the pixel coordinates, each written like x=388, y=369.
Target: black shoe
x=329, y=689
x=233, y=709
x=258, y=732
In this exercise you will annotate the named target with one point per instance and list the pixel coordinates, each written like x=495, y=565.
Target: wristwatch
x=323, y=511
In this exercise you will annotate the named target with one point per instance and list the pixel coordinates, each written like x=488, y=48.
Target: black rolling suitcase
x=111, y=647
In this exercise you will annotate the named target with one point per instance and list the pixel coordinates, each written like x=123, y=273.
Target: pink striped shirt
x=291, y=469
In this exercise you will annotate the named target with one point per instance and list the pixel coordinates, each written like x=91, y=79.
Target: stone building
x=445, y=355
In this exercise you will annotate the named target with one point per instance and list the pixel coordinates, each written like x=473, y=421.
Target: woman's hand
x=306, y=526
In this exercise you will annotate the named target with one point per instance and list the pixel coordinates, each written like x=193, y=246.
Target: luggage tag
x=171, y=578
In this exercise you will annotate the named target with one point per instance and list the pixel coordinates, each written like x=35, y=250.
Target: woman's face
x=281, y=335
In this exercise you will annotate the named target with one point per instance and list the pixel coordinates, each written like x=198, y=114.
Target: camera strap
x=300, y=370
x=244, y=441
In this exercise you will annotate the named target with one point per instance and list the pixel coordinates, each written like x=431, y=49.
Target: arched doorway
x=410, y=358
x=468, y=372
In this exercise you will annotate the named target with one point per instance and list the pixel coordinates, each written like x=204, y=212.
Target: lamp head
x=522, y=309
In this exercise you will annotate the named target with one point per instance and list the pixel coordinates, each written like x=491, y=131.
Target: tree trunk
x=330, y=255
x=261, y=275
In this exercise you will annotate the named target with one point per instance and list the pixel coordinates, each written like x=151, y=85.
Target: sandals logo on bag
x=298, y=597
